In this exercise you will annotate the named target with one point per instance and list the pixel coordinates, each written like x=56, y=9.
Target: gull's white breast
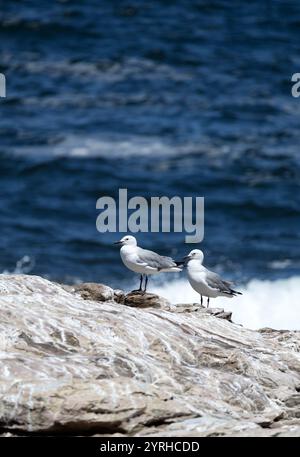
x=197, y=278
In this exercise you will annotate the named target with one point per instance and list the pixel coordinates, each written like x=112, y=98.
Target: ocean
x=164, y=98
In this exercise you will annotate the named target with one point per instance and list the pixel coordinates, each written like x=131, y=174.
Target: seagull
x=143, y=261
x=205, y=282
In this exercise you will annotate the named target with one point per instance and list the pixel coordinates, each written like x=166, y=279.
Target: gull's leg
x=141, y=282
x=207, y=302
x=140, y=288
x=201, y=301
x=146, y=282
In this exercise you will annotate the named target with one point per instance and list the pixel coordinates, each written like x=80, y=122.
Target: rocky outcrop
x=91, y=360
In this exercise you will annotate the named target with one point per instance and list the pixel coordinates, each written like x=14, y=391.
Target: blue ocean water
x=187, y=98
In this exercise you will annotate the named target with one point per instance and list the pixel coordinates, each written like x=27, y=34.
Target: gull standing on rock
x=143, y=261
x=205, y=282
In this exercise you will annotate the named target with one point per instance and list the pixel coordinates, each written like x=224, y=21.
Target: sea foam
x=264, y=303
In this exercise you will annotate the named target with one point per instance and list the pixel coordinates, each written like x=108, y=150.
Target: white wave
x=280, y=264
x=264, y=303
x=105, y=71
x=116, y=147
x=23, y=266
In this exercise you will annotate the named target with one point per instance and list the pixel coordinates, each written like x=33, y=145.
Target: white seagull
x=205, y=282
x=143, y=261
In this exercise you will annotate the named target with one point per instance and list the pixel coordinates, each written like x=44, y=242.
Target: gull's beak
x=183, y=261
x=118, y=243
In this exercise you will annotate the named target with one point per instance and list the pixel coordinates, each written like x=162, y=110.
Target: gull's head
x=195, y=254
x=127, y=240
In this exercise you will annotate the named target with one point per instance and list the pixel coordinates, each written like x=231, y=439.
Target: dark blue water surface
x=188, y=98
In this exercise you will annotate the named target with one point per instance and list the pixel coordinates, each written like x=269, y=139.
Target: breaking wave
x=264, y=303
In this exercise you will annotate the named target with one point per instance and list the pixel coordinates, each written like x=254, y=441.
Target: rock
x=219, y=312
x=145, y=300
x=119, y=296
x=93, y=291
x=196, y=307
x=225, y=315
x=75, y=365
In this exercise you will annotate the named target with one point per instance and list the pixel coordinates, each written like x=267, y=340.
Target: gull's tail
x=180, y=263
x=235, y=292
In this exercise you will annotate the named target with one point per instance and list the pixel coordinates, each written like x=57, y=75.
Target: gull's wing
x=216, y=282
x=154, y=260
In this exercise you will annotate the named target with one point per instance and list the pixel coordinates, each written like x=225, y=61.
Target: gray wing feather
x=215, y=282
x=154, y=260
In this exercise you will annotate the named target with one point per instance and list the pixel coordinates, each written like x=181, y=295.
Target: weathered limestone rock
x=75, y=365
